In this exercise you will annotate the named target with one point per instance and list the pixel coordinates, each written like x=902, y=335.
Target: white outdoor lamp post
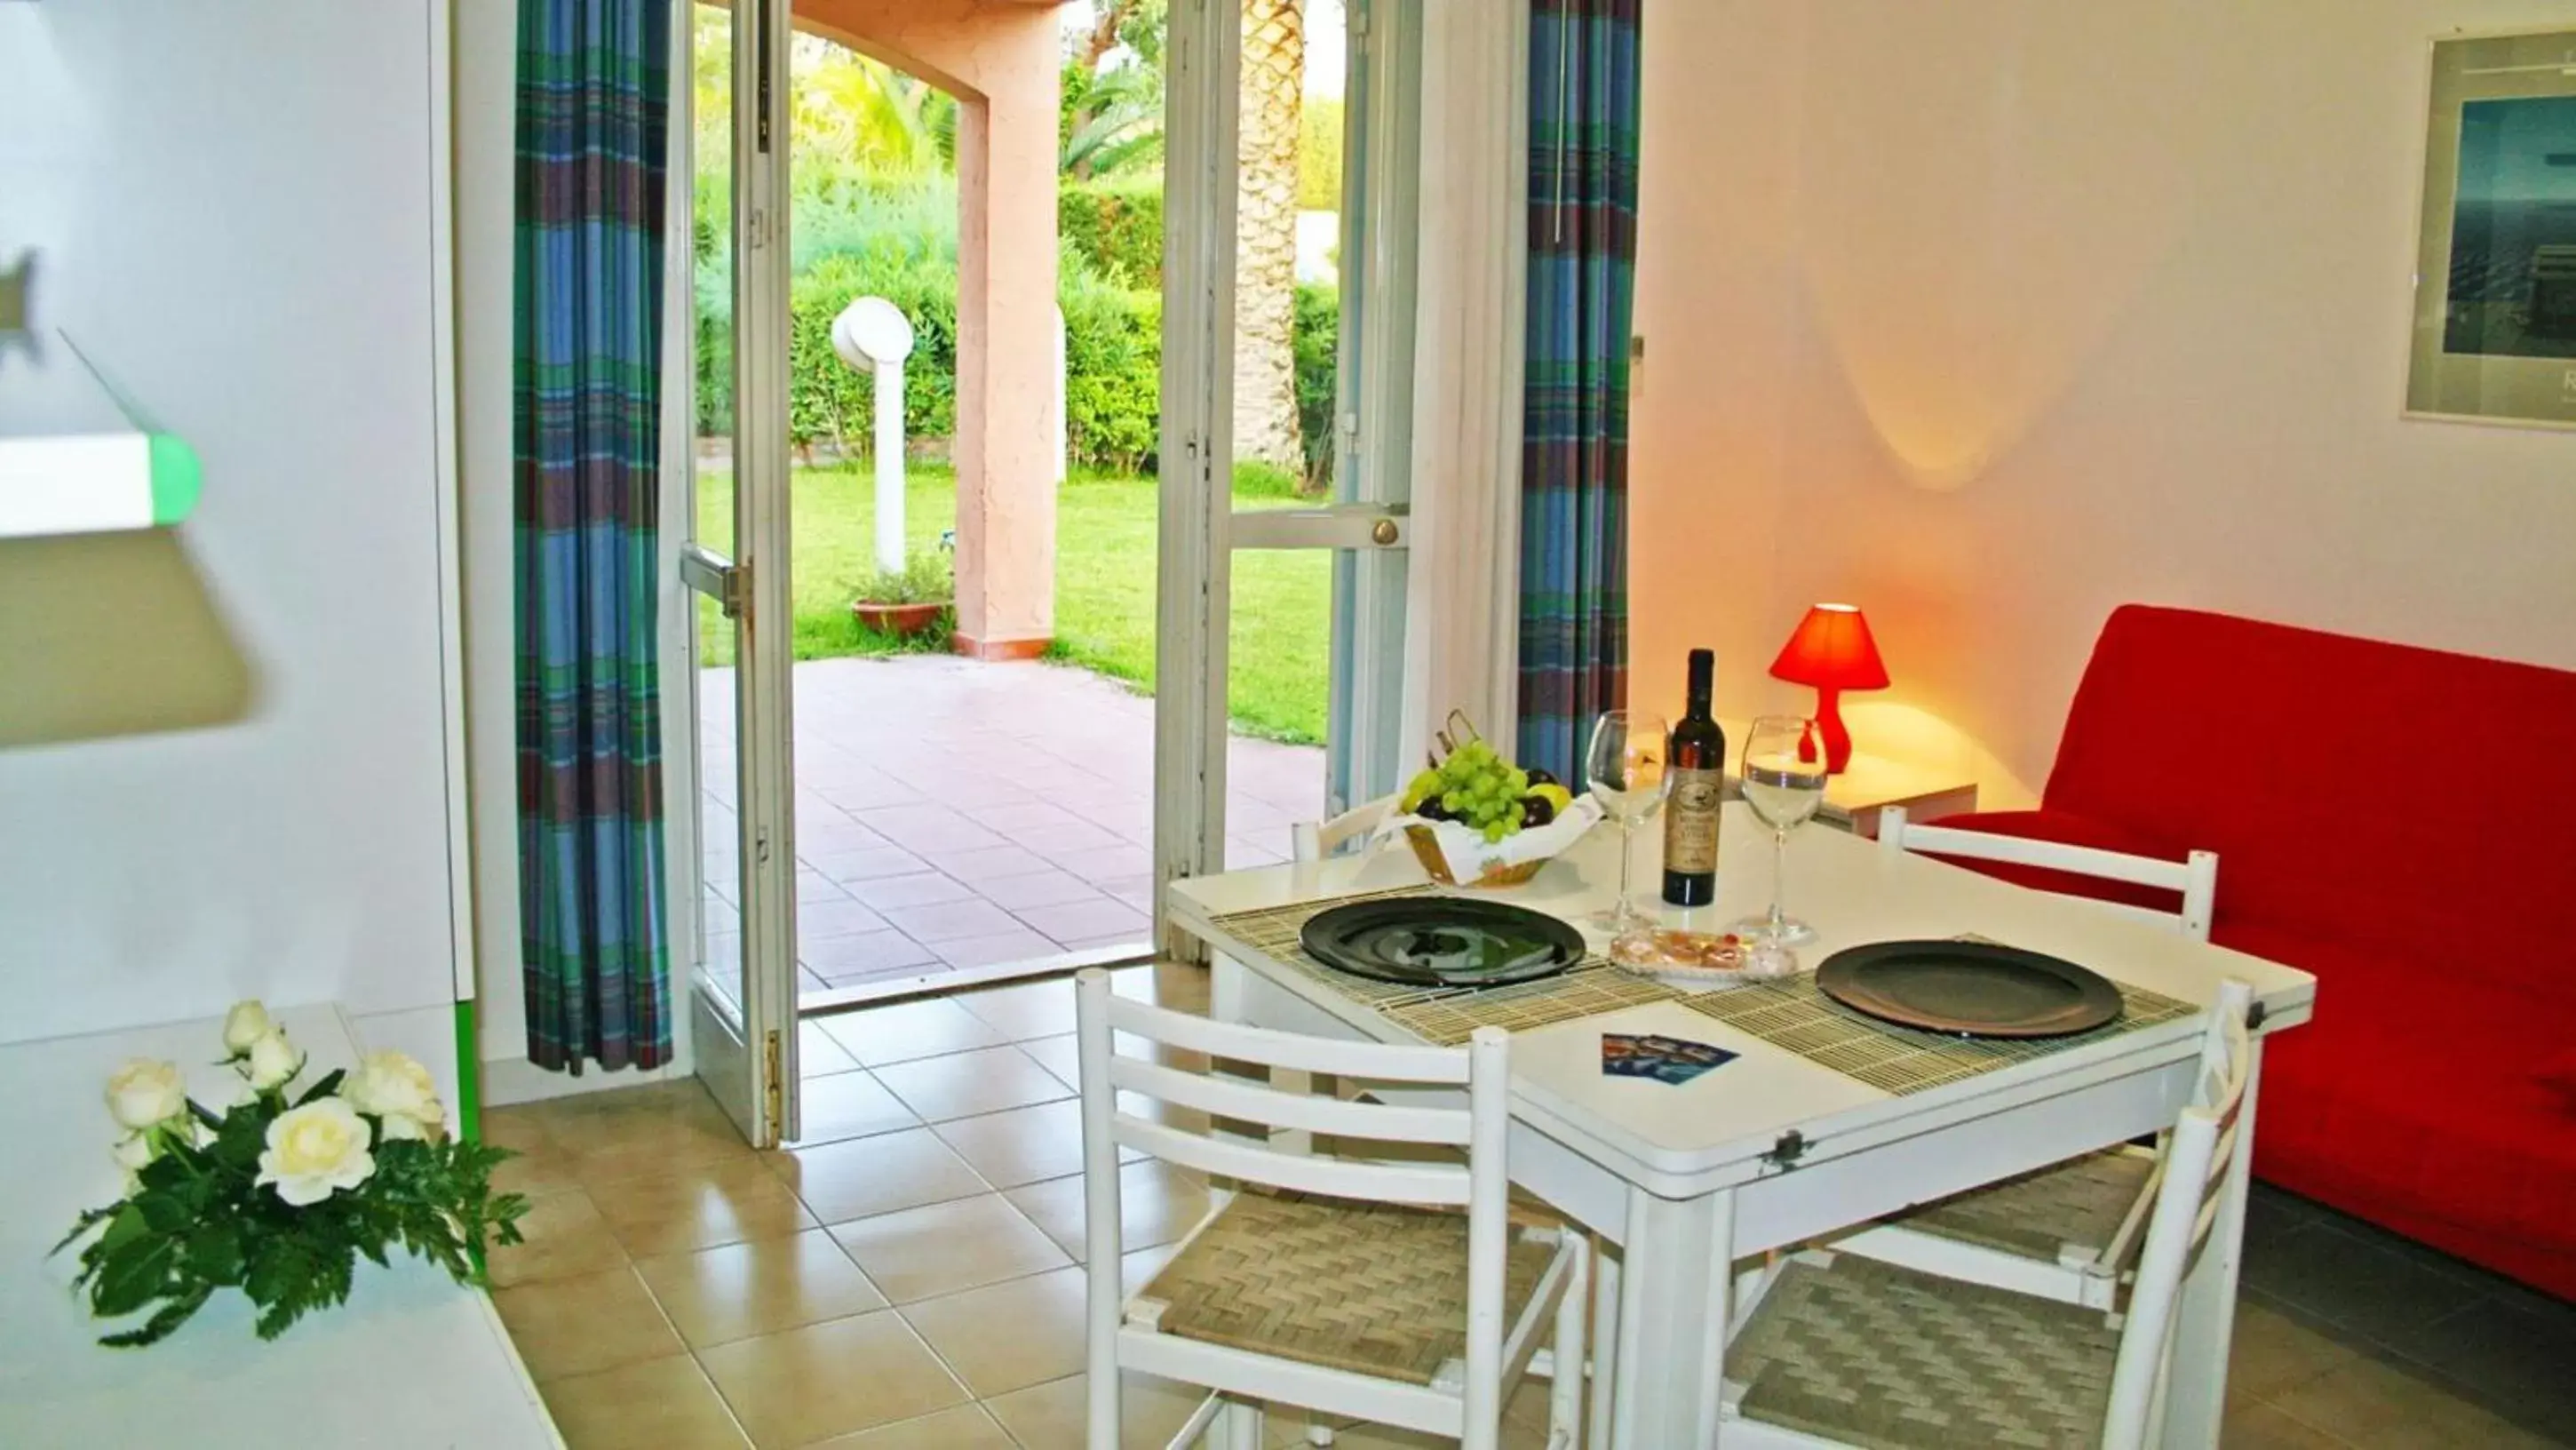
x=872, y=336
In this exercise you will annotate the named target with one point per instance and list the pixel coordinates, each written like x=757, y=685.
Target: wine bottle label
x=1690, y=819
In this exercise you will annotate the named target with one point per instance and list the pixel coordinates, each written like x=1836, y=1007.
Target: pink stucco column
x=1000, y=58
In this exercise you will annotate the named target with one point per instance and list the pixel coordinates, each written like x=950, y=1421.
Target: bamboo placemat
x=1790, y=1014
x=1793, y=1014
x=1443, y=1016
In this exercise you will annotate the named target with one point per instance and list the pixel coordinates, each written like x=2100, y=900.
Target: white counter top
x=410, y=1360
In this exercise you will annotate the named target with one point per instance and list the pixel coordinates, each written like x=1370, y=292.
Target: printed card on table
x=1673, y=1060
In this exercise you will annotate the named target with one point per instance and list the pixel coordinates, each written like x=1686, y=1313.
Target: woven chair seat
x=1372, y=1288
x=1874, y=1355
x=2066, y=1212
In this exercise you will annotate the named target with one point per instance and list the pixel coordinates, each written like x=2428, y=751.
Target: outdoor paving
x=954, y=814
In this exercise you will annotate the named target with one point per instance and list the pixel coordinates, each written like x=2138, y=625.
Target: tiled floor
x=908, y=1275
x=954, y=814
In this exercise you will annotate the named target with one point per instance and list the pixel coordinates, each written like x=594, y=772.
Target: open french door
x=742, y=991
x=1365, y=525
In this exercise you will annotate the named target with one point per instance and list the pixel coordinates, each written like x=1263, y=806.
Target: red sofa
x=2402, y=823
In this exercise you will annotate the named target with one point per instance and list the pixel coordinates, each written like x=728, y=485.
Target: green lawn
x=1104, y=586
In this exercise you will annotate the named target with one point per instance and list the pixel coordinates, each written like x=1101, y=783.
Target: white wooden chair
x=1315, y=840
x=2064, y=1231
x=1844, y=1350
x=1343, y=1285
x=2194, y=878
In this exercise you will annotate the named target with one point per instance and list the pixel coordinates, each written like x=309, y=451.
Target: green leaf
x=90, y=1218
x=164, y=1212
x=133, y=1276
x=329, y=1084
x=164, y=1320
x=215, y=1253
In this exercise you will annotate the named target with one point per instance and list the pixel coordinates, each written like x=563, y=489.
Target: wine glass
x=1625, y=768
x=1784, y=783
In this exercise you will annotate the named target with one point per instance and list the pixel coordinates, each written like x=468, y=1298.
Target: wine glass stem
x=1779, y=921
x=1626, y=855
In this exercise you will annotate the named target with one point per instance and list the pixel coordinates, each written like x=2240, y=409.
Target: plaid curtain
x=586, y=433
x=1574, y=448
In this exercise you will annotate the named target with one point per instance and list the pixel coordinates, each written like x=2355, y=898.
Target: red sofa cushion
x=2307, y=761
x=2421, y=1099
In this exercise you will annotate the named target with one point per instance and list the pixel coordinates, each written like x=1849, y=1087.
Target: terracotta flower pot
x=903, y=621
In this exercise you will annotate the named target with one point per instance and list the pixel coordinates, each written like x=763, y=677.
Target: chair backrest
x=2194, y=878
x=1481, y=1185
x=2203, y=1151
x=1315, y=840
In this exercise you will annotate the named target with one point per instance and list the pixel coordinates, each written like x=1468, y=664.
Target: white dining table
x=1771, y=1149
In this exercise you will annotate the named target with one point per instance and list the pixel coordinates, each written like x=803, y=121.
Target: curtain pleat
x=1583, y=140
x=593, y=111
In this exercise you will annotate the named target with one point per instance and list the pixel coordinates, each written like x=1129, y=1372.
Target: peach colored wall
x=1991, y=315
x=1000, y=58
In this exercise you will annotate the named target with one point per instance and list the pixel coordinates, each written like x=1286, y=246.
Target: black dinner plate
x=1441, y=941
x=1969, y=989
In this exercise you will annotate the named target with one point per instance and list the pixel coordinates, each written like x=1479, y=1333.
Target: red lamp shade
x=1832, y=650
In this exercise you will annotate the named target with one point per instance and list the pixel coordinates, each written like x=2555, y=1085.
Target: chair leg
x=1605, y=1343
x=1239, y=1427
x=1565, y=1391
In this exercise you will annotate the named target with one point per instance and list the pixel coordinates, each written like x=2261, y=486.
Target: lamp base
x=1829, y=726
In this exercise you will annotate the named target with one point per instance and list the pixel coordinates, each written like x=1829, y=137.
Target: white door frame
x=746, y=1050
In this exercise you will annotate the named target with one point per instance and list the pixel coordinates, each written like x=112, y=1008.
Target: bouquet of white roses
x=276, y=1198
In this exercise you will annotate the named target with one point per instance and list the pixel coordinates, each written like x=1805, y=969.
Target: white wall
x=1992, y=315
x=223, y=747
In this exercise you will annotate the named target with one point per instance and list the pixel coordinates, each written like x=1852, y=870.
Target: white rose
x=273, y=1061
x=315, y=1151
x=246, y=1024
x=144, y=1093
x=134, y=1150
x=395, y=1087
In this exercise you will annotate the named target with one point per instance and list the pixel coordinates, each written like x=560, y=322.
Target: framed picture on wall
x=2495, y=276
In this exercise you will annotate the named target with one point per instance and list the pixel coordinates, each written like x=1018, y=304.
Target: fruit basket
x=1475, y=819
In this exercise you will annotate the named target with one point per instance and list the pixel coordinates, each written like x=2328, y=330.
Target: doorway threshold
x=947, y=982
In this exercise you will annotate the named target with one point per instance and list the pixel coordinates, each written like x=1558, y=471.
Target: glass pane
x=711, y=279
x=1288, y=224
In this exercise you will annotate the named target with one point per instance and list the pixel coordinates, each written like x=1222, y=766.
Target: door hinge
x=773, y=1085
x=1350, y=425
x=737, y=591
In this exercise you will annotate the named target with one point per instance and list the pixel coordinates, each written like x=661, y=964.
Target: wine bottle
x=1695, y=775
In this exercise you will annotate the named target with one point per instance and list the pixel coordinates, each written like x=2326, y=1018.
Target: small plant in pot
x=909, y=601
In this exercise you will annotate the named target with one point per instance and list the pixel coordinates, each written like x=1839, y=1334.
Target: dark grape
x=1433, y=810
x=1538, y=776
x=1536, y=811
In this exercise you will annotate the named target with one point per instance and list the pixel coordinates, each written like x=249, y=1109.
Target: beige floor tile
x=1157, y=1204
x=1024, y=1145
x=564, y=1235
x=864, y=1176
x=802, y=1385
x=2270, y=1353
x=964, y=1084
x=1137, y=1269
x=967, y=1427
x=2380, y=1405
x=1050, y=1416
x=848, y=1105
x=1007, y=1336
x=620, y=1135
x=718, y=1295
x=817, y=1054
x=880, y=1035
x=920, y=1253
x=2252, y=1424
x=1177, y=985
x=540, y=1165
x=654, y=1404
x=1058, y=1055
x=698, y=1206
x=586, y=1323
x=1024, y=1010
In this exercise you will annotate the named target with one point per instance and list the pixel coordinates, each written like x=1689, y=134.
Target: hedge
x=1116, y=228
x=1316, y=327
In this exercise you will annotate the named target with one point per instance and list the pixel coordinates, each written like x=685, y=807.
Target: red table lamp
x=1832, y=651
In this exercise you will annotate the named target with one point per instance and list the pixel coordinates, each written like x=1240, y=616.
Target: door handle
x=715, y=576
x=1336, y=526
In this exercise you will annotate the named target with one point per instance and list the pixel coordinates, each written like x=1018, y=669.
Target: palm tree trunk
x=1265, y=235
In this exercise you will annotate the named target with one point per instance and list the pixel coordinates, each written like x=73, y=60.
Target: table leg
x=2205, y=1319
x=1675, y=1304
